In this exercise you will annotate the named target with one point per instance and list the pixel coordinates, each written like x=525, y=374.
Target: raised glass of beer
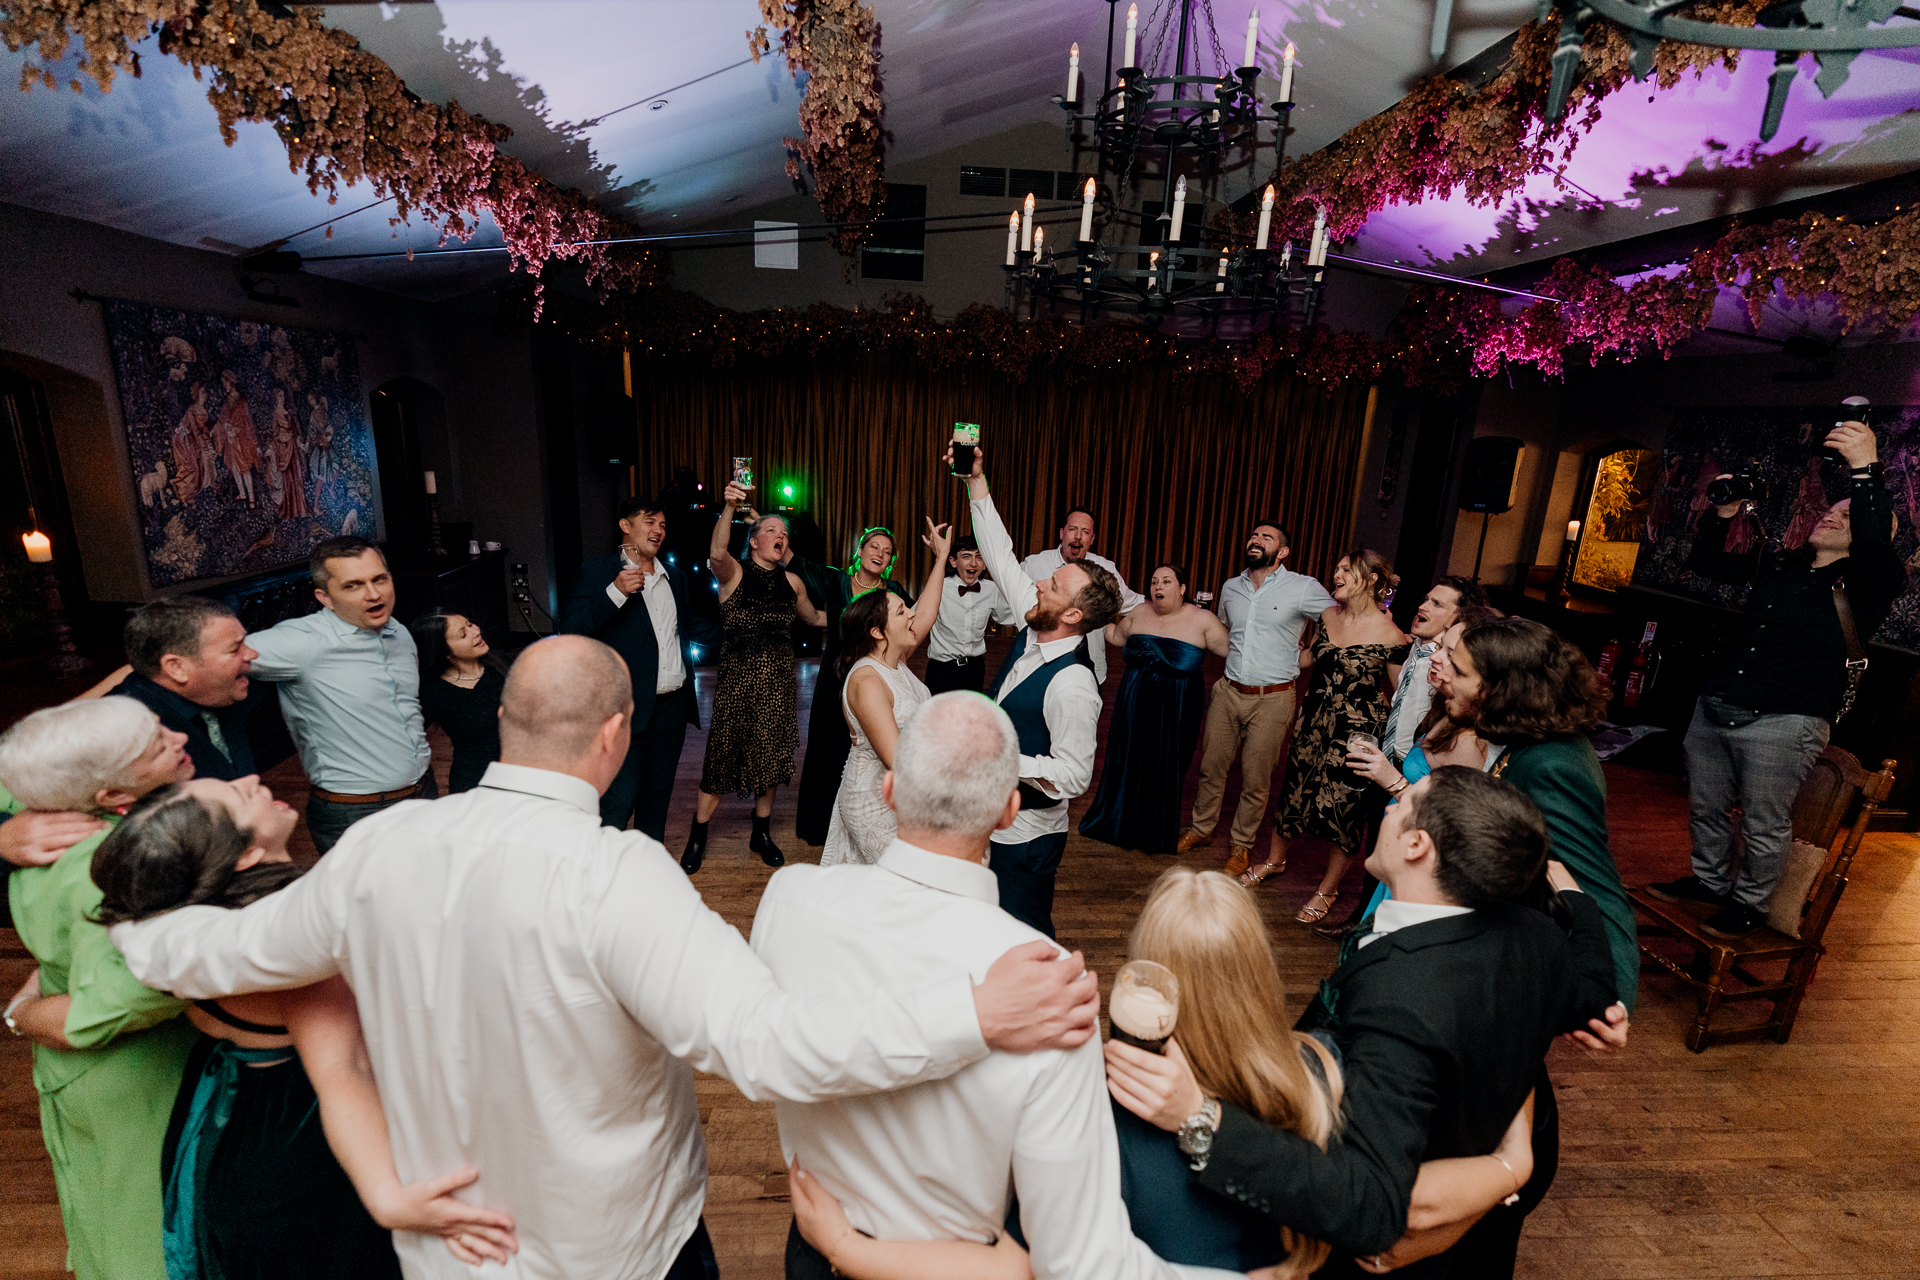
x=1144, y=1004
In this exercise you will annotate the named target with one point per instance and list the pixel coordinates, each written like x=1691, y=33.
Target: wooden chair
x=1819, y=811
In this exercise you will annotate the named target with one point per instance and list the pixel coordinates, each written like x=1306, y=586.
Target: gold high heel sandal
x=1255, y=874
x=1311, y=914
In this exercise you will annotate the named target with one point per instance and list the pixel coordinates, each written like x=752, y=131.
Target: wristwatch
x=1196, y=1133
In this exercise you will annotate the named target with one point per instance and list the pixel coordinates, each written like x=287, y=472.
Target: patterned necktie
x=1391, y=734
x=213, y=731
x=1327, y=998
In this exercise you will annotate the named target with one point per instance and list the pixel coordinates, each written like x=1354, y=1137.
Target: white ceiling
x=575, y=80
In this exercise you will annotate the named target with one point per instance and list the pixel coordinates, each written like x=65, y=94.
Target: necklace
x=857, y=574
x=460, y=679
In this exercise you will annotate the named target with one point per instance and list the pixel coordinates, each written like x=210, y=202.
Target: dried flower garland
x=345, y=118
x=837, y=44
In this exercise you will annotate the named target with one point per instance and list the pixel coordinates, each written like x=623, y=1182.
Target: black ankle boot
x=696, y=848
x=762, y=842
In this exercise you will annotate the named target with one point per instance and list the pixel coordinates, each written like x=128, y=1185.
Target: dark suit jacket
x=1443, y=1026
x=628, y=629
x=181, y=716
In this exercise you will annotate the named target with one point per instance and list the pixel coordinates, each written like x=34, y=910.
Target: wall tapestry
x=1784, y=446
x=249, y=442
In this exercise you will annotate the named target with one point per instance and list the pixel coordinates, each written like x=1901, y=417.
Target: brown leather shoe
x=1191, y=840
x=1237, y=862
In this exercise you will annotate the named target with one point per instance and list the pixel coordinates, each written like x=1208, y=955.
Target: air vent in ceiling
x=976, y=181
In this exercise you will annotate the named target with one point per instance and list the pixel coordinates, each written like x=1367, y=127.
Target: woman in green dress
x=108, y=1052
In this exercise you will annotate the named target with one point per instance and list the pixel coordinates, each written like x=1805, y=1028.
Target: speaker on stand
x=1487, y=481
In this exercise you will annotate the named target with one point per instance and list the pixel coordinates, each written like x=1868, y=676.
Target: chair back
x=1826, y=795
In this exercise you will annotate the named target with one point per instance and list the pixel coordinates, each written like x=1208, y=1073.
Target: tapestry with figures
x=249, y=442
x=1782, y=447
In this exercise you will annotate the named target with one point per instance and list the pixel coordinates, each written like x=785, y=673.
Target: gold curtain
x=1173, y=469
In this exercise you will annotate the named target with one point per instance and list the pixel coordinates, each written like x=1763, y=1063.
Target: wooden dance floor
x=1747, y=1160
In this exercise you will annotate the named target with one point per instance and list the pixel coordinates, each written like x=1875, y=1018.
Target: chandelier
x=1171, y=127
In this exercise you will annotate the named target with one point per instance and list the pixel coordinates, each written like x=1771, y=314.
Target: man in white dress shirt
x=1076, y=547
x=537, y=989
x=1250, y=709
x=349, y=680
x=944, y=1160
x=1048, y=688
x=957, y=649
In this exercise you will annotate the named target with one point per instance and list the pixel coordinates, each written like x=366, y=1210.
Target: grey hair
x=957, y=761
x=64, y=756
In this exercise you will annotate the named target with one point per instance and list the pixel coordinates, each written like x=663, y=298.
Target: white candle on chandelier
x=1266, y=219
x=1073, y=74
x=1133, y=28
x=1039, y=240
x=1086, y=212
x=1179, y=208
x=432, y=487
x=1253, y=38
x=1026, y=223
x=1153, y=265
x=1286, y=256
x=1573, y=531
x=1013, y=234
x=1222, y=286
x=1286, y=75
x=1317, y=251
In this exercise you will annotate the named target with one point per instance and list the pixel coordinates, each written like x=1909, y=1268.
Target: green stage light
x=786, y=491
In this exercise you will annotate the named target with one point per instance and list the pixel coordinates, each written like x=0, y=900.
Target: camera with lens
x=1748, y=486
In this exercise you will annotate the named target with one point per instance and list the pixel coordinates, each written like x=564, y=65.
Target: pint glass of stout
x=743, y=472
x=966, y=436
x=1144, y=1004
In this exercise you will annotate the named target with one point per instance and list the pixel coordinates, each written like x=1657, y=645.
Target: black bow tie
x=968, y=590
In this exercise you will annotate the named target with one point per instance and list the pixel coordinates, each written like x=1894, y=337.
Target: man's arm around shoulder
x=589, y=607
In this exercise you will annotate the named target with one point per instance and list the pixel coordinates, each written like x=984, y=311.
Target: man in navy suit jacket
x=635, y=602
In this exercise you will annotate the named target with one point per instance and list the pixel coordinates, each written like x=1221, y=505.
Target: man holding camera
x=1765, y=714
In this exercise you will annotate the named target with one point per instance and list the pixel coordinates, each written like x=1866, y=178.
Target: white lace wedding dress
x=862, y=825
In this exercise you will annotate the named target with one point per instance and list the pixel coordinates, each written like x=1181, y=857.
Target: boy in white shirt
x=957, y=649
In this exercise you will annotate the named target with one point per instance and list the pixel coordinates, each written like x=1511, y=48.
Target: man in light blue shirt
x=1250, y=710
x=349, y=680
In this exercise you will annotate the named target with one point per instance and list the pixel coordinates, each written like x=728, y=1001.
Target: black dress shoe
x=696, y=850
x=1685, y=889
x=1733, y=921
x=1334, y=932
x=762, y=843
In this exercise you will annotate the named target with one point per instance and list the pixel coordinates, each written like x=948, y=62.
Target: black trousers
x=643, y=788
x=966, y=673
x=328, y=820
x=1026, y=873
x=696, y=1260
x=804, y=1262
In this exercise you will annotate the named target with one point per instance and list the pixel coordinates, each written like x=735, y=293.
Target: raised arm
x=996, y=547
x=325, y=1024
x=725, y=568
x=939, y=540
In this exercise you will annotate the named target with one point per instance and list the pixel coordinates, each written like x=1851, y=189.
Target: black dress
x=756, y=721
x=471, y=718
x=268, y=1200
x=1156, y=724
x=828, y=741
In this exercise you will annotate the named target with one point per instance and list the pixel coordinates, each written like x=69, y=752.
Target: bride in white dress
x=878, y=634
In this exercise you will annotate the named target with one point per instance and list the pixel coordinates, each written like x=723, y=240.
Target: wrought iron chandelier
x=1187, y=124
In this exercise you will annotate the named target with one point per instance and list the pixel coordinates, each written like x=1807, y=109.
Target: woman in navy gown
x=1156, y=716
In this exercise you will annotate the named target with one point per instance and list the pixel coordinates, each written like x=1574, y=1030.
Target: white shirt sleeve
x=1072, y=709
x=615, y=594
x=285, y=652
x=690, y=979
x=1035, y=567
x=1002, y=611
x=996, y=548
x=1129, y=598
x=292, y=938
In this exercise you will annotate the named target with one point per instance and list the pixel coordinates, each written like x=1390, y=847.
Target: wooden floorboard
x=1800, y=1159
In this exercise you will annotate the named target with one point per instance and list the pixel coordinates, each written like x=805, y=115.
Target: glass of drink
x=1144, y=1004
x=1359, y=740
x=1204, y=599
x=743, y=472
x=966, y=437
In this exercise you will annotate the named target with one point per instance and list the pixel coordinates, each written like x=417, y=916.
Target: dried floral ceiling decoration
x=837, y=44
x=345, y=118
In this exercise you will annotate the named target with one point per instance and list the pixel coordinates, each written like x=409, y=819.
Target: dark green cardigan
x=1563, y=777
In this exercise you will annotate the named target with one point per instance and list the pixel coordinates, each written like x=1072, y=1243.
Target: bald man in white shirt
x=537, y=990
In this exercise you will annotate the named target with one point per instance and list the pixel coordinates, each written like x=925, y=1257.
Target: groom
x=1048, y=689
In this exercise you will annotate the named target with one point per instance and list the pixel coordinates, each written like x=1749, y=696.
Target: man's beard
x=1463, y=713
x=1258, y=559
x=1072, y=554
x=1040, y=618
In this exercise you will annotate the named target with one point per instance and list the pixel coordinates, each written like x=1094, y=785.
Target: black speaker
x=1486, y=481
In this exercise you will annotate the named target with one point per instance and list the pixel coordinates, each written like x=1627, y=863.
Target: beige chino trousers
x=1253, y=727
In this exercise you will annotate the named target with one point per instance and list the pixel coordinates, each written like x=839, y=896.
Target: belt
x=378, y=797
x=1256, y=690
x=958, y=662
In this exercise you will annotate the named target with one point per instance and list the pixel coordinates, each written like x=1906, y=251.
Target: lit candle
x=1222, y=286
x=39, y=547
x=1013, y=234
x=1253, y=37
x=1026, y=223
x=1266, y=218
x=1073, y=74
x=1179, y=207
x=1573, y=530
x=1317, y=249
x=1086, y=212
x=1133, y=29
x=431, y=486
x=1039, y=240
x=1286, y=75
x=1153, y=265
x=1286, y=256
